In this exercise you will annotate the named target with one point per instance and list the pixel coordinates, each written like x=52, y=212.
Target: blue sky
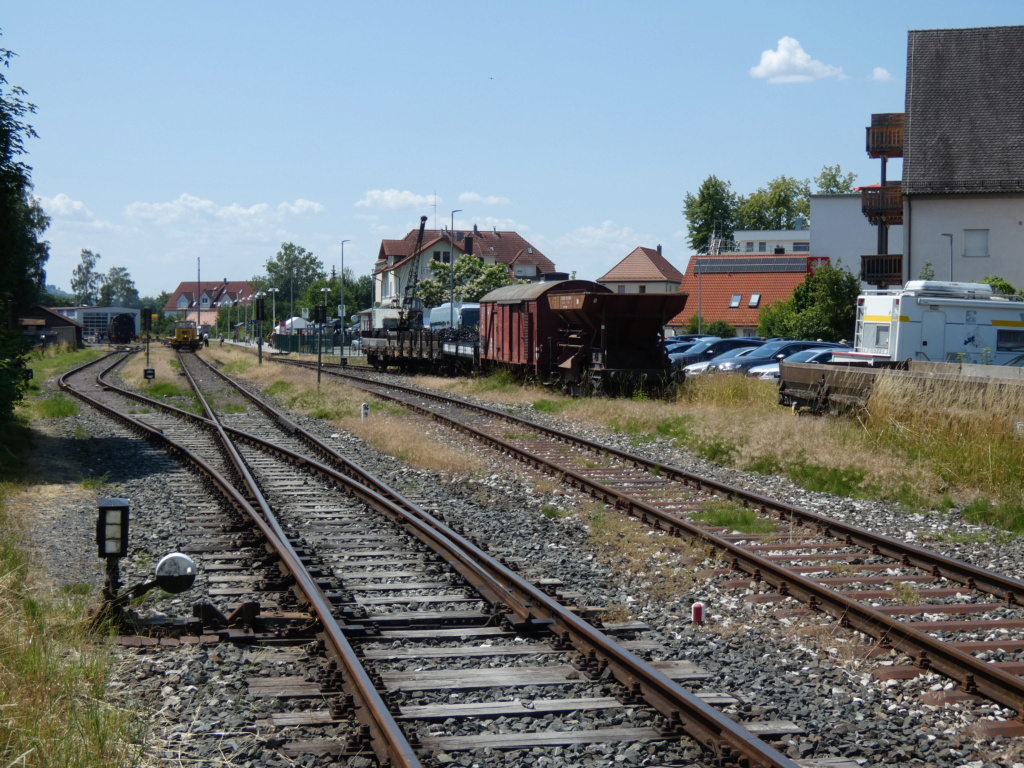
x=170, y=132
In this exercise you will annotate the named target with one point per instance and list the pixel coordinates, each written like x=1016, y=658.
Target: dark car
x=705, y=350
x=773, y=351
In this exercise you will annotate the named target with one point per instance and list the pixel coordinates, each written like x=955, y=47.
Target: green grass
x=1006, y=515
x=57, y=406
x=279, y=388
x=549, y=510
x=500, y=380
x=94, y=482
x=52, y=676
x=736, y=518
x=553, y=406
x=166, y=389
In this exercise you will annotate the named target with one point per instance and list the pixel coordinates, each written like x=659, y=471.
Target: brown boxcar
x=578, y=332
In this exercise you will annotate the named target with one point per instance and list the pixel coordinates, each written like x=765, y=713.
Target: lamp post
x=273, y=305
x=950, y=236
x=344, y=322
x=451, y=274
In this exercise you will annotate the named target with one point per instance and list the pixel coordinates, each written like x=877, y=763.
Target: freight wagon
x=575, y=333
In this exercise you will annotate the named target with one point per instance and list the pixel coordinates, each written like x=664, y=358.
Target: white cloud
x=881, y=74
x=393, y=198
x=790, y=63
x=199, y=213
x=300, y=208
x=605, y=236
x=64, y=207
x=473, y=197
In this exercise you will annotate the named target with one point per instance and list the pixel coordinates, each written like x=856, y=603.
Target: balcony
x=885, y=135
x=882, y=271
x=883, y=204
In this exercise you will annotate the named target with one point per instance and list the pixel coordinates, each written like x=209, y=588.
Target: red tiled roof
x=505, y=247
x=714, y=292
x=217, y=290
x=642, y=265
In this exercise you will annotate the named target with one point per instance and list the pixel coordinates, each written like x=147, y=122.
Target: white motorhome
x=939, y=322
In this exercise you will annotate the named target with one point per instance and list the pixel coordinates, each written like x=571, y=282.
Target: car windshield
x=700, y=346
x=805, y=355
x=738, y=352
x=768, y=351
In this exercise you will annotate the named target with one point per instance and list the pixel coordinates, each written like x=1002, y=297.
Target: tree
x=85, y=280
x=1000, y=285
x=719, y=328
x=117, y=289
x=23, y=252
x=832, y=181
x=927, y=272
x=782, y=204
x=472, y=280
x=823, y=307
x=291, y=271
x=709, y=213
x=162, y=324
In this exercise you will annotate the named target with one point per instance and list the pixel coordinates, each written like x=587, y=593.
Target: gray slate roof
x=964, y=111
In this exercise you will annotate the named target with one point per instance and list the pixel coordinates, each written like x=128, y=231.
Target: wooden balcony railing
x=882, y=271
x=883, y=203
x=885, y=135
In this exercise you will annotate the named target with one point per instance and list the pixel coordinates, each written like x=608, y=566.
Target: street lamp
x=273, y=305
x=344, y=322
x=950, y=236
x=451, y=274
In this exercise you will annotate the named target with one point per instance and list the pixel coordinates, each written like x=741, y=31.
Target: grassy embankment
x=52, y=674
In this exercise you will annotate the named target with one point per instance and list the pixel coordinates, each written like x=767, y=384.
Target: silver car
x=771, y=370
x=695, y=369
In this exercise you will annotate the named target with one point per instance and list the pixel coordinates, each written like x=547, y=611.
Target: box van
x=938, y=322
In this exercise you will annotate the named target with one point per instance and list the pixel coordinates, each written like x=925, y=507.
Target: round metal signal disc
x=175, y=573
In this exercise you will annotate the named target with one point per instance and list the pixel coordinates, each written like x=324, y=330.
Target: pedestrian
x=206, y=339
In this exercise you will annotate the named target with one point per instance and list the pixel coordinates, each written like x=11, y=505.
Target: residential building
x=397, y=259
x=735, y=287
x=841, y=231
x=44, y=326
x=200, y=301
x=644, y=270
x=755, y=241
x=961, y=138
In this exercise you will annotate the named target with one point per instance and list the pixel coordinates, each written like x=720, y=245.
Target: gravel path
x=784, y=667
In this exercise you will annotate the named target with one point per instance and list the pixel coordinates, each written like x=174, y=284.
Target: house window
x=622, y=289
x=446, y=257
x=801, y=247
x=762, y=247
x=643, y=289
x=975, y=242
x=755, y=299
x=750, y=246
x=735, y=300
x=437, y=255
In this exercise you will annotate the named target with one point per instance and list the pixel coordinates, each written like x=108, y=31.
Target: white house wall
x=929, y=217
x=844, y=234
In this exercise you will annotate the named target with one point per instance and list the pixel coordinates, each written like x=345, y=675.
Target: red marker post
x=697, y=613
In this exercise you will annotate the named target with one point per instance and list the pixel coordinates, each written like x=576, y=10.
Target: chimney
x=659, y=249
x=475, y=230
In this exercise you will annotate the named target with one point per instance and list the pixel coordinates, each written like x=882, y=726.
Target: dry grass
x=665, y=570
x=965, y=435
x=389, y=429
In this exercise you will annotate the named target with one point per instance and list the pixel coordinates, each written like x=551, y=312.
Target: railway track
x=946, y=616
x=361, y=582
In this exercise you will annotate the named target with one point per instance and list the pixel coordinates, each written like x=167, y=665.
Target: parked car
x=771, y=370
x=695, y=369
x=705, y=350
x=773, y=351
